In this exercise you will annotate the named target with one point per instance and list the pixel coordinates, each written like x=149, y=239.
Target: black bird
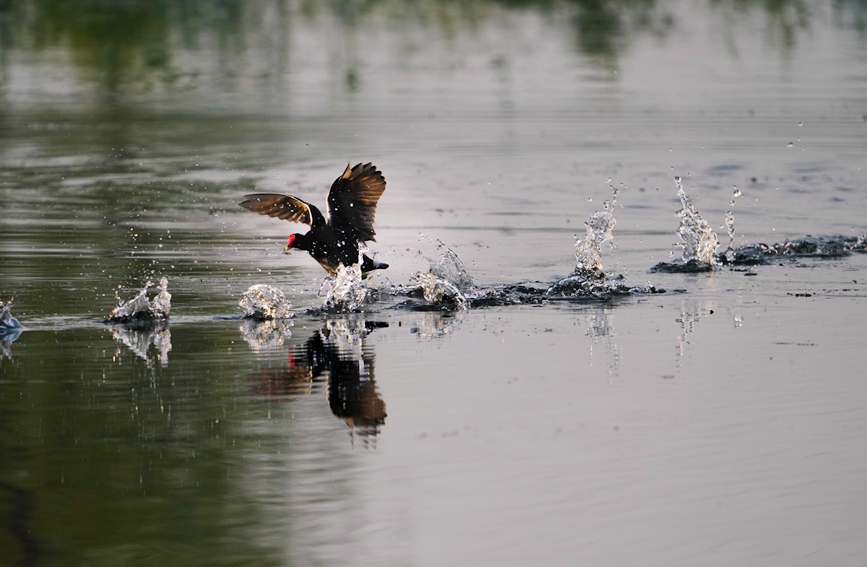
x=351, y=208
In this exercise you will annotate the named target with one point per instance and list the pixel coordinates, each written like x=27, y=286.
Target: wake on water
x=700, y=243
x=447, y=286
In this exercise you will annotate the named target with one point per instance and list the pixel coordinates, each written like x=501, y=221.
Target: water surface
x=718, y=423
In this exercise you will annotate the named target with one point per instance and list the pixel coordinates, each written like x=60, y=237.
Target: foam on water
x=142, y=310
x=264, y=302
x=807, y=247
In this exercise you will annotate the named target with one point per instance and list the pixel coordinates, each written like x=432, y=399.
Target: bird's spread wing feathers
x=284, y=207
x=352, y=200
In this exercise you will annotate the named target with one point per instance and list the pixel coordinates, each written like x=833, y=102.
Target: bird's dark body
x=335, y=241
x=331, y=249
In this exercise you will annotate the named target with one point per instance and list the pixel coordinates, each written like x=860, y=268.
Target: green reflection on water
x=111, y=458
x=142, y=46
x=177, y=444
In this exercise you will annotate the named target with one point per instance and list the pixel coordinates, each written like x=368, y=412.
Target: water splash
x=446, y=286
x=730, y=225
x=162, y=303
x=142, y=310
x=439, y=291
x=7, y=321
x=450, y=268
x=10, y=329
x=263, y=302
x=697, y=239
x=588, y=249
x=588, y=279
x=346, y=291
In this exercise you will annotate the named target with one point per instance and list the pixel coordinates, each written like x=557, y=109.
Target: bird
x=351, y=209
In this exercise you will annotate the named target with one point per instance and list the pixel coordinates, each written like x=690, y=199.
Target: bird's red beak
x=290, y=243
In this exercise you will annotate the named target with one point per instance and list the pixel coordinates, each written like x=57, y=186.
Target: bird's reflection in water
x=337, y=355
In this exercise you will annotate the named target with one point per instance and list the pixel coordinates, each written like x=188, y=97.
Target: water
x=142, y=309
x=346, y=291
x=10, y=328
x=263, y=302
x=449, y=409
x=698, y=240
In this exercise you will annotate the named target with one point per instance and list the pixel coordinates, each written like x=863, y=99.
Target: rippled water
x=454, y=414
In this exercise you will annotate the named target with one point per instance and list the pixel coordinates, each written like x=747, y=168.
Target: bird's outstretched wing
x=352, y=200
x=284, y=207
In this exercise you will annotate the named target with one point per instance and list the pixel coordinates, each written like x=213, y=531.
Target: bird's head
x=295, y=241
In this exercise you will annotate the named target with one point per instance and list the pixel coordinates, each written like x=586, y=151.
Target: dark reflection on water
x=339, y=352
x=112, y=454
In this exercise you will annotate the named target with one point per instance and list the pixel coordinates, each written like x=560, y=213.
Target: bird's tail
x=368, y=265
